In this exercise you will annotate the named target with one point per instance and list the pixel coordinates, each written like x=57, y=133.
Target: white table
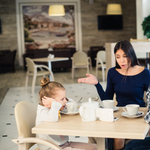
x=72, y=125
x=49, y=60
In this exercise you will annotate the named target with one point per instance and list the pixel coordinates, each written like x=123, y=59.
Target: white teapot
x=87, y=110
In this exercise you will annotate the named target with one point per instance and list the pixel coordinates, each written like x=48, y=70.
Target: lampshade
x=56, y=10
x=114, y=9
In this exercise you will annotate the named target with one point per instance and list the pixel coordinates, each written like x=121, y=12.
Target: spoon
x=96, y=98
x=79, y=100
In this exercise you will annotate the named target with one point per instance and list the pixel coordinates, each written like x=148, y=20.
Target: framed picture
x=37, y=30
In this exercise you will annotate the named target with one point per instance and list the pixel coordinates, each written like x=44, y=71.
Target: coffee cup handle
x=81, y=112
x=124, y=108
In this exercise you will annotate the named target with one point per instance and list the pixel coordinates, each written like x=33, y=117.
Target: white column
x=139, y=19
x=142, y=11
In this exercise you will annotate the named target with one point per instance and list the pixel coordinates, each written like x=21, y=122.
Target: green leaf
x=146, y=26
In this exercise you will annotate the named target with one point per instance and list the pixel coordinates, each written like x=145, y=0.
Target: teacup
x=71, y=106
x=131, y=109
x=108, y=103
x=51, y=56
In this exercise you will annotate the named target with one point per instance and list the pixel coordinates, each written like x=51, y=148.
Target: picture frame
x=21, y=4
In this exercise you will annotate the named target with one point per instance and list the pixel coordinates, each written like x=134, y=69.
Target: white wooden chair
x=32, y=70
x=25, y=115
x=101, y=63
x=81, y=60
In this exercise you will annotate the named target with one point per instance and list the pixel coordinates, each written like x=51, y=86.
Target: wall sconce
x=114, y=9
x=56, y=10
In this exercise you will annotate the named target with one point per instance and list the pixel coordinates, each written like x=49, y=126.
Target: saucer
x=115, y=108
x=140, y=114
x=69, y=113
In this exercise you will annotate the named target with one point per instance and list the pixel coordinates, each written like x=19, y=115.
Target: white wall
x=142, y=11
x=146, y=4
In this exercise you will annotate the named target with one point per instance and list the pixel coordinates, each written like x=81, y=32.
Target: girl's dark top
x=128, y=89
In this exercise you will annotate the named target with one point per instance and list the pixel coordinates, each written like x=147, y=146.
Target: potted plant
x=146, y=26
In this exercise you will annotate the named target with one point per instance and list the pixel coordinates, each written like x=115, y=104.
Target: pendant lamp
x=56, y=10
x=114, y=9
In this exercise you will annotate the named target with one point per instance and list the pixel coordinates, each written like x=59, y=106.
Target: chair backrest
x=80, y=57
x=101, y=55
x=30, y=64
x=25, y=115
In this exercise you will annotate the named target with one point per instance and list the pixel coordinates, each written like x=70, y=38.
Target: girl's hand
x=47, y=101
x=90, y=79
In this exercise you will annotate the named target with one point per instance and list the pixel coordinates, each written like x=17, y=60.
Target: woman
x=128, y=80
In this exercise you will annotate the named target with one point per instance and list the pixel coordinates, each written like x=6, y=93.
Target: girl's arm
x=50, y=114
x=54, y=111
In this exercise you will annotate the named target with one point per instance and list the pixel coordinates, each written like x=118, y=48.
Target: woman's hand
x=47, y=101
x=90, y=79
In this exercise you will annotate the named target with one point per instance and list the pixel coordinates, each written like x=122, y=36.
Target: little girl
x=52, y=100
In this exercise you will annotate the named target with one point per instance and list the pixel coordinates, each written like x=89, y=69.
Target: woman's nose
x=122, y=59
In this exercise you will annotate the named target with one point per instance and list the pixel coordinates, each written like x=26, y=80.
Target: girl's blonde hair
x=49, y=88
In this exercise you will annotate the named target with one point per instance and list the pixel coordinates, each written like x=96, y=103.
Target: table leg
x=50, y=68
x=100, y=143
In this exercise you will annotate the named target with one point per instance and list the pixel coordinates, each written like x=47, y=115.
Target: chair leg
x=88, y=71
x=33, y=84
x=103, y=74
x=96, y=71
x=73, y=73
x=26, y=82
x=22, y=146
x=91, y=67
x=92, y=140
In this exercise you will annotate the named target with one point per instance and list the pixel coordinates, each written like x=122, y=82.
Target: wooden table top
x=135, y=128
x=46, y=59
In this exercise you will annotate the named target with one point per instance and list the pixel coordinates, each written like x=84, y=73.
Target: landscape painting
x=43, y=31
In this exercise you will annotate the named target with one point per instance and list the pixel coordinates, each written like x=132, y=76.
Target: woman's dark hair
x=128, y=50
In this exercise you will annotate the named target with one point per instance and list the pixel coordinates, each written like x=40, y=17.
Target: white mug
x=108, y=103
x=131, y=109
x=105, y=115
x=71, y=106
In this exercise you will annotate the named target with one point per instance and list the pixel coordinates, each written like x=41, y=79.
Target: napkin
x=51, y=56
x=105, y=114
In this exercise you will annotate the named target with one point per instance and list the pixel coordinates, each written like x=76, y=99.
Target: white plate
x=140, y=114
x=115, y=108
x=69, y=113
